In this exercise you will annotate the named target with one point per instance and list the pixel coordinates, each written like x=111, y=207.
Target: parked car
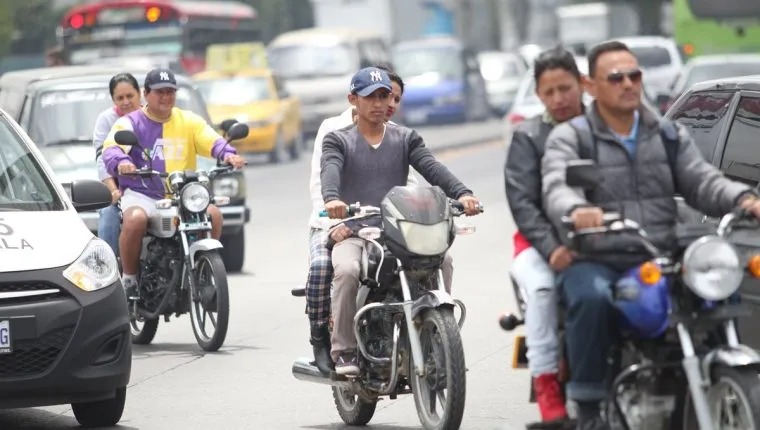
x=255, y=97
x=64, y=323
x=660, y=59
x=58, y=107
x=706, y=68
x=723, y=117
x=443, y=83
x=503, y=72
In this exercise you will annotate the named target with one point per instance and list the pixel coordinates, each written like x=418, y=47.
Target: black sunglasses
x=619, y=77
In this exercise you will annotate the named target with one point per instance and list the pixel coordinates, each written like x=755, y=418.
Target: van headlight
x=226, y=186
x=95, y=268
x=195, y=197
x=712, y=268
x=425, y=239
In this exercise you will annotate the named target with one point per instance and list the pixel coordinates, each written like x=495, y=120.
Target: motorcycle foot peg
x=510, y=322
x=298, y=292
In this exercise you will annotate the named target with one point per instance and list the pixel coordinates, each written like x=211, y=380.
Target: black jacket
x=522, y=178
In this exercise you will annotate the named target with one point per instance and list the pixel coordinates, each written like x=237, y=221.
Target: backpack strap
x=671, y=141
x=587, y=149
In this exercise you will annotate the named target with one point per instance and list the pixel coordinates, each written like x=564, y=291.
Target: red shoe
x=551, y=402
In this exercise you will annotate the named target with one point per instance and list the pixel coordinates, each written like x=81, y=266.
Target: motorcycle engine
x=157, y=272
x=377, y=329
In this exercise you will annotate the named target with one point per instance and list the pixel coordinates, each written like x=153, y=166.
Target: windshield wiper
x=69, y=141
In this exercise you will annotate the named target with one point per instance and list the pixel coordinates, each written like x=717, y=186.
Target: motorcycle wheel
x=733, y=399
x=210, y=304
x=143, y=331
x=445, y=373
x=353, y=410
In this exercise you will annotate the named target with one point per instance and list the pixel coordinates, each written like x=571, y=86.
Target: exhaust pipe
x=305, y=371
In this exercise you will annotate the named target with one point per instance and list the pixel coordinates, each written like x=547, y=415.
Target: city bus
x=717, y=27
x=173, y=31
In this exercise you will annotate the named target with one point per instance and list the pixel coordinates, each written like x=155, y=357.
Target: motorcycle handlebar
x=607, y=219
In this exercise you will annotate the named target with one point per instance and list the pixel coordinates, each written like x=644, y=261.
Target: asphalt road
x=248, y=384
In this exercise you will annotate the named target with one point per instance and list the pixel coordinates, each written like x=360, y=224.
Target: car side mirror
x=227, y=124
x=583, y=173
x=237, y=131
x=88, y=194
x=126, y=138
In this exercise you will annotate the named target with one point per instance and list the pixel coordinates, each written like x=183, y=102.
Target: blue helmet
x=644, y=309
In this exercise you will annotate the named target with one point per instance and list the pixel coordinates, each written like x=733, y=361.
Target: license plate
x=416, y=116
x=5, y=337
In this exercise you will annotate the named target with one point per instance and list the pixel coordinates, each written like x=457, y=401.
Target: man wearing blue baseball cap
x=362, y=163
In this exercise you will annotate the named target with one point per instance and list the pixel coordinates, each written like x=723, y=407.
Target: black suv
x=723, y=117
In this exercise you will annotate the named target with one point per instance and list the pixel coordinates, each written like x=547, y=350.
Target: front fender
x=202, y=246
x=740, y=356
x=431, y=300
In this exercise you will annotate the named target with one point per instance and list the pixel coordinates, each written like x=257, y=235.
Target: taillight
x=514, y=118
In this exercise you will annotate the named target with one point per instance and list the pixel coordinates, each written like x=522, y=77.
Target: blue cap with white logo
x=368, y=80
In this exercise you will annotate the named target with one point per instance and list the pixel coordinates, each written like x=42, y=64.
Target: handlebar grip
x=350, y=210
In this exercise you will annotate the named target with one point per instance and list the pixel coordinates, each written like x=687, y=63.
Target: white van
x=316, y=66
x=64, y=324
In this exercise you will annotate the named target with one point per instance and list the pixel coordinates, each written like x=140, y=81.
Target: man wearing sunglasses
x=642, y=169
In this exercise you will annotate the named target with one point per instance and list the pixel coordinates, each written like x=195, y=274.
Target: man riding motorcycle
x=362, y=163
x=639, y=178
x=169, y=140
x=538, y=251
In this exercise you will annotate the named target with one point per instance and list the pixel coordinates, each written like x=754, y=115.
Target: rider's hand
x=751, y=204
x=235, y=161
x=560, y=258
x=126, y=167
x=470, y=204
x=115, y=196
x=336, y=209
x=587, y=217
x=339, y=233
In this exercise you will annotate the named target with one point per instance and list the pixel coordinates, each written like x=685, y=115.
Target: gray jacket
x=644, y=185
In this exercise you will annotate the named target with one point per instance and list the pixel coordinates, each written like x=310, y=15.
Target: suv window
x=741, y=158
x=703, y=113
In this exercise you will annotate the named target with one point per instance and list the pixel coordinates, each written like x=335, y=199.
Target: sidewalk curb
x=463, y=144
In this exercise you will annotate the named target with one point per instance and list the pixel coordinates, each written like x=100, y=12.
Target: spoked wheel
x=210, y=303
x=143, y=330
x=733, y=399
x=352, y=409
x=440, y=394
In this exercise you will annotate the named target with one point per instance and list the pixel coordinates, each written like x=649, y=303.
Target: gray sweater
x=354, y=171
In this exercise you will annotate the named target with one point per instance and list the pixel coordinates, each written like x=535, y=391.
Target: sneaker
x=130, y=288
x=347, y=365
x=551, y=402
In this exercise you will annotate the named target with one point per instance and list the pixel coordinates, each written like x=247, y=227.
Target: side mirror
x=88, y=194
x=227, y=124
x=583, y=173
x=126, y=138
x=237, y=131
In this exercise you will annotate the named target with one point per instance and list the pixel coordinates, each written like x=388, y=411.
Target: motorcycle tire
x=353, y=410
x=217, y=298
x=744, y=383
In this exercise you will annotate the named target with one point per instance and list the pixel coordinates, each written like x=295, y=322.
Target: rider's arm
x=522, y=177
x=560, y=199
x=100, y=132
x=332, y=164
x=431, y=169
x=113, y=153
x=700, y=183
x=208, y=143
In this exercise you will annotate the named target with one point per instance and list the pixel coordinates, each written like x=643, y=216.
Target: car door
x=740, y=161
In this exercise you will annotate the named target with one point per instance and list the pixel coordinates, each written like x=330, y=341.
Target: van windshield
x=311, y=61
x=23, y=184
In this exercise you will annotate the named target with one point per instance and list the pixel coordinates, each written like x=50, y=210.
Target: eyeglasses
x=618, y=77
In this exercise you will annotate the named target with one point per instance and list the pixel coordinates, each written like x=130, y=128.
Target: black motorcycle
x=181, y=269
x=696, y=374
x=406, y=330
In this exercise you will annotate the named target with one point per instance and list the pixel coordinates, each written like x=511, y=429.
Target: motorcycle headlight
x=95, y=268
x=425, y=239
x=195, y=198
x=226, y=186
x=712, y=268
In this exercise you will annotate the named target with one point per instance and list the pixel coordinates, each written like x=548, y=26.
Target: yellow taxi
x=255, y=97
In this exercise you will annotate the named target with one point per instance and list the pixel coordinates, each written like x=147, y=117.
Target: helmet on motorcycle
x=644, y=309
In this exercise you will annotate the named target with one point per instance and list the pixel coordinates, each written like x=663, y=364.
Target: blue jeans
x=109, y=227
x=590, y=327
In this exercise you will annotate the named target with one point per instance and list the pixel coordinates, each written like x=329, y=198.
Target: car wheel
x=233, y=253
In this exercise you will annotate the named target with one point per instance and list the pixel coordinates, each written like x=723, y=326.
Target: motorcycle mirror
x=227, y=124
x=237, y=131
x=583, y=173
x=370, y=233
x=126, y=138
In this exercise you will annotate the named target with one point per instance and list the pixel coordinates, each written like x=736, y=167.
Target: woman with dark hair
x=125, y=93
x=538, y=252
